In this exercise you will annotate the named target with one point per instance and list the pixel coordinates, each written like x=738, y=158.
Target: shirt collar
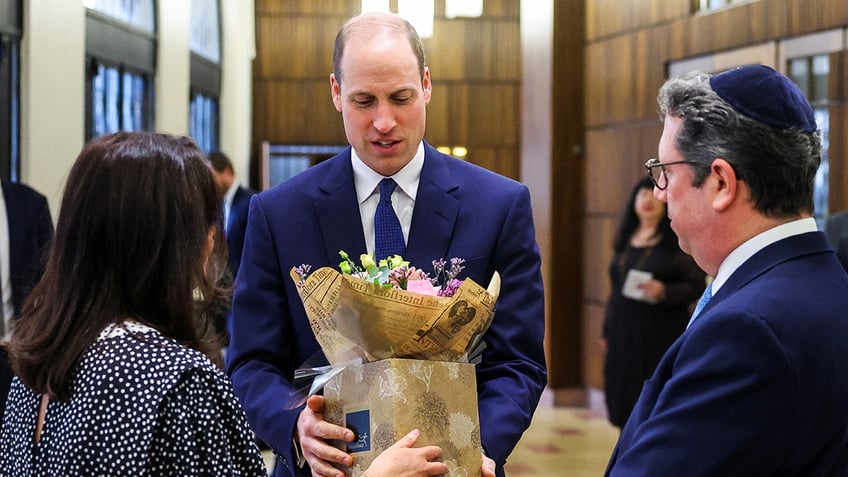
x=231, y=193
x=367, y=180
x=760, y=241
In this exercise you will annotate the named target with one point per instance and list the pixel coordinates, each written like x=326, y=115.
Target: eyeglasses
x=656, y=170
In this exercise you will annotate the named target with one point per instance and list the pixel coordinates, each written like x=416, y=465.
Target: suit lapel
x=436, y=211
x=767, y=258
x=337, y=210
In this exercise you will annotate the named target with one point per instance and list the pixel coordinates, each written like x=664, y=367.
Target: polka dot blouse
x=141, y=405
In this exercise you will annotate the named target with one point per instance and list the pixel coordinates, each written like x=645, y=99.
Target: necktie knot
x=387, y=187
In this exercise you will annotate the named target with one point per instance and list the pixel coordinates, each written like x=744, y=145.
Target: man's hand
x=402, y=460
x=313, y=432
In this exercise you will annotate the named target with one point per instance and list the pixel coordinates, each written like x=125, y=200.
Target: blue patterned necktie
x=388, y=233
x=702, y=302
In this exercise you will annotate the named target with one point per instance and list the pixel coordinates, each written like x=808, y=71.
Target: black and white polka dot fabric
x=142, y=405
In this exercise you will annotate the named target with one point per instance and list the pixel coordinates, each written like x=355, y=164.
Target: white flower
x=461, y=429
x=392, y=385
x=422, y=371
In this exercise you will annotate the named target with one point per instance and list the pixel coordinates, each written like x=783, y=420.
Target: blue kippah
x=765, y=95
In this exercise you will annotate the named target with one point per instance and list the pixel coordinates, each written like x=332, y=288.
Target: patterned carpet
x=563, y=441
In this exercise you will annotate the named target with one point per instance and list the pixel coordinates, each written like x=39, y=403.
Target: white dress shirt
x=367, y=182
x=5, y=273
x=753, y=245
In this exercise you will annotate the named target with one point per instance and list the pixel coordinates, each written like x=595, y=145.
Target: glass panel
x=799, y=72
x=203, y=125
x=821, y=71
x=113, y=95
x=119, y=101
x=132, y=104
x=821, y=183
x=14, y=112
x=9, y=117
x=284, y=168
x=139, y=13
x=205, y=29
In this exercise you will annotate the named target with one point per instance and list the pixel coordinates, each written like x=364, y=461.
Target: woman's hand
x=402, y=460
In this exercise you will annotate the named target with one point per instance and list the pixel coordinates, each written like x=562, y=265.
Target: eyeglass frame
x=653, y=162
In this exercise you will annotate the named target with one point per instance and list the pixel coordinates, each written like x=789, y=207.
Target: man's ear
x=726, y=186
x=336, y=92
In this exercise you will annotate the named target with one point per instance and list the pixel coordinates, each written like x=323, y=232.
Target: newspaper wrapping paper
x=357, y=321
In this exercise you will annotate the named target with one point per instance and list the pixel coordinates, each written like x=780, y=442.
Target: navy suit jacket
x=237, y=226
x=757, y=386
x=30, y=232
x=461, y=210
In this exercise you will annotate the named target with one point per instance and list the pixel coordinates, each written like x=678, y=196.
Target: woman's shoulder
x=136, y=354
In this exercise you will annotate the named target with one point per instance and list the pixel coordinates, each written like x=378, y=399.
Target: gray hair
x=779, y=165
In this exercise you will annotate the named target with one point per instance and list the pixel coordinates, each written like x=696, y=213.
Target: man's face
x=687, y=207
x=382, y=99
x=223, y=180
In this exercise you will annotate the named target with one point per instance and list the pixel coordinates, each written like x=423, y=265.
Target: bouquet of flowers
x=395, y=272
x=373, y=311
x=390, y=309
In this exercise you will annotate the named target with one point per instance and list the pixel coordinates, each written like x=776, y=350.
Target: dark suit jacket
x=757, y=386
x=461, y=210
x=238, y=226
x=30, y=232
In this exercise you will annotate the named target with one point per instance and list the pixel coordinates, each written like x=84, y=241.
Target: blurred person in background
x=654, y=285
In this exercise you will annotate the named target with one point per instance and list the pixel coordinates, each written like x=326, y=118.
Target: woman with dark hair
x=114, y=353
x=115, y=374
x=653, y=286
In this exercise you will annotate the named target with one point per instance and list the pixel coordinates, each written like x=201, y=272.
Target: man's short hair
x=220, y=161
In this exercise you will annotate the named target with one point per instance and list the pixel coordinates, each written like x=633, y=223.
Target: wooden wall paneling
x=502, y=159
x=311, y=7
x=300, y=112
x=565, y=285
x=439, y=115
x=492, y=50
x=609, y=81
x=838, y=155
x=598, y=235
x=303, y=47
x=726, y=28
x=604, y=150
x=493, y=114
x=610, y=17
x=501, y=9
x=597, y=77
x=838, y=146
x=796, y=17
x=449, y=64
x=594, y=354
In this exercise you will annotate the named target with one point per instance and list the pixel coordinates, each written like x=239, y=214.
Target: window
x=120, y=50
x=205, y=44
x=10, y=35
x=281, y=162
x=811, y=73
x=704, y=5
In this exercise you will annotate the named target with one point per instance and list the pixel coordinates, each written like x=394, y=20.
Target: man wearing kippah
x=757, y=385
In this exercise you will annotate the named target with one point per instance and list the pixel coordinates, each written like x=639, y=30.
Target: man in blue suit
x=236, y=203
x=757, y=384
x=446, y=207
x=25, y=233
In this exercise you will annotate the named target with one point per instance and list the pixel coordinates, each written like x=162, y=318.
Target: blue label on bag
x=360, y=423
